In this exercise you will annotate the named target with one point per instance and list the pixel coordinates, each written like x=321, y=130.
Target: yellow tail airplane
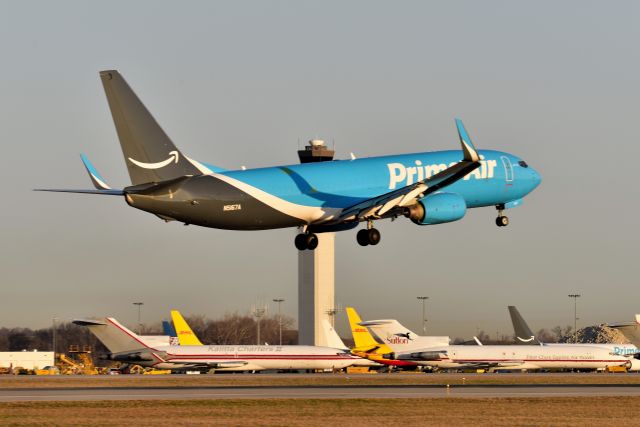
x=183, y=331
x=366, y=346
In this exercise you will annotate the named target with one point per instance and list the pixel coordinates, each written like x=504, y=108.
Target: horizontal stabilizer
x=88, y=322
x=103, y=192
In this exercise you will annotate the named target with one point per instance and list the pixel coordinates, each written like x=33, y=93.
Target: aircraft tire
x=373, y=236
x=312, y=241
x=502, y=221
x=301, y=242
x=363, y=237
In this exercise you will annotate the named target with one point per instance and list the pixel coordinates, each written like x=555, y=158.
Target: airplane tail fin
x=170, y=331
x=185, y=335
x=362, y=338
x=149, y=153
x=332, y=337
x=401, y=339
x=523, y=333
x=113, y=335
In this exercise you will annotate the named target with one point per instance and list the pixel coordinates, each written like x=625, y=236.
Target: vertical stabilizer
x=148, y=152
x=332, y=337
x=185, y=335
x=524, y=335
x=362, y=338
x=113, y=335
x=401, y=339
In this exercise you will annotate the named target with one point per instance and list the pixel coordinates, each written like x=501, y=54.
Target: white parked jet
x=524, y=334
x=408, y=346
x=125, y=346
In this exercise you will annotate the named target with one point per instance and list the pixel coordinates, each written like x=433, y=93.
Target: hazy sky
x=239, y=83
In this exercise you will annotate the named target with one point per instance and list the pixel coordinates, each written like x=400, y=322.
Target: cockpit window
x=523, y=164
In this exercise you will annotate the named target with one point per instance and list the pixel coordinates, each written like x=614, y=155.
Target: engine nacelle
x=438, y=209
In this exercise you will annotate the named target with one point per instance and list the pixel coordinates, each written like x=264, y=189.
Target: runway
x=312, y=392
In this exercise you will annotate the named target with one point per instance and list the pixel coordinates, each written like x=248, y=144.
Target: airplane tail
x=332, y=337
x=523, y=333
x=401, y=339
x=149, y=153
x=113, y=335
x=185, y=335
x=362, y=338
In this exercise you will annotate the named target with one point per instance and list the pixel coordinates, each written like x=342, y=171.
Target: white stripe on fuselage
x=308, y=214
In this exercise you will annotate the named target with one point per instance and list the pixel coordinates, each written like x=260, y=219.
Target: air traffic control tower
x=316, y=274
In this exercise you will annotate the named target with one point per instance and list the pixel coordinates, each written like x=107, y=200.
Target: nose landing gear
x=501, y=220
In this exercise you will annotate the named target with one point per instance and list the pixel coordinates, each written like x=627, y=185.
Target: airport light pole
x=139, y=304
x=575, y=316
x=258, y=313
x=55, y=319
x=424, y=314
x=279, y=301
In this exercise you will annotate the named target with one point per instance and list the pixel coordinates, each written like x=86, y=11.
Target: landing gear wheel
x=312, y=241
x=373, y=236
x=502, y=221
x=301, y=242
x=363, y=237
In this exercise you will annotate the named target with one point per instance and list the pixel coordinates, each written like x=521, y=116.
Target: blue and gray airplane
x=428, y=188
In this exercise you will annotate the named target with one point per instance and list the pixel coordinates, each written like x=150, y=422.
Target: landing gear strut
x=501, y=220
x=306, y=241
x=369, y=236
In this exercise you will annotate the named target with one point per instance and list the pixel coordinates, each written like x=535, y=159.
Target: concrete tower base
x=316, y=286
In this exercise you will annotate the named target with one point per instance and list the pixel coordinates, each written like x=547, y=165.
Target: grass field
x=9, y=381
x=568, y=411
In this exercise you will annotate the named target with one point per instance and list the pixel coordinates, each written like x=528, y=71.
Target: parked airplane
x=524, y=334
x=367, y=347
x=407, y=346
x=428, y=188
x=631, y=330
x=185, y=334
x=127, y=347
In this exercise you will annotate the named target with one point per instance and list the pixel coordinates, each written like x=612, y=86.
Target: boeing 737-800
x=428, y=188
x=125, y=346
x=407, y=346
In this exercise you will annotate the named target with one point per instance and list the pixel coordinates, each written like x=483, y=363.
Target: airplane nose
x=535, y=177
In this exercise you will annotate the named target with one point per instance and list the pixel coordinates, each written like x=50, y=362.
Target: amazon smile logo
x=173, y=157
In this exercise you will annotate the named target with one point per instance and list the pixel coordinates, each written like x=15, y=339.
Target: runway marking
x=177, y=393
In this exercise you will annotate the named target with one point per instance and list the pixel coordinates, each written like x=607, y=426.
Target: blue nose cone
x=535, y=179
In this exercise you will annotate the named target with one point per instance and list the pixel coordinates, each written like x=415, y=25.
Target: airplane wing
x=214, y=365
x=378, y=206
x=489, y=365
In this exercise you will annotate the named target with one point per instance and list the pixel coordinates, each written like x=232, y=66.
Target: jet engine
x=437, y=209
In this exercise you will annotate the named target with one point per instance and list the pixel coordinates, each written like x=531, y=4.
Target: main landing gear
x=501, y=220
x=306, y=241
x=368, y=236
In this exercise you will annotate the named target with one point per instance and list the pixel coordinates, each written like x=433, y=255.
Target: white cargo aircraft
x=125, y=346
x=524, y=334
x=406, y=345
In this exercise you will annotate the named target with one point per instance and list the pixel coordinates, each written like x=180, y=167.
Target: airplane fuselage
x=526, y=357
x=247, y=357
x=316, y=193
